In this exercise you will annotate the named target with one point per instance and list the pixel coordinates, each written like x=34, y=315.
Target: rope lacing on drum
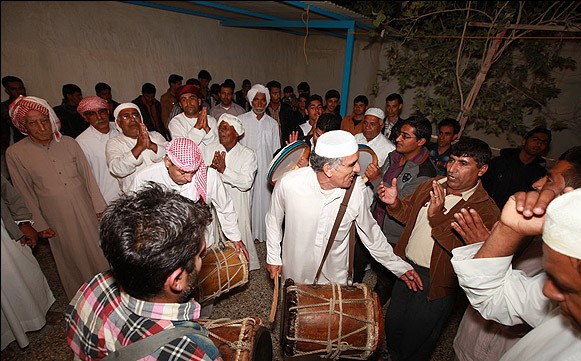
x=222, y=322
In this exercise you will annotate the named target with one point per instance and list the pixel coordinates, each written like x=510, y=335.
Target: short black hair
x=474, y=148
x=332, y=94
x=204, y=74
x=328, y=122
x=273, y=84
x=536, y=130
x=312, y=98
x=231, y=82
x=246, y=82
x=227, y=85
x=10, y=79
x=573, y=175
x=215, y=88
x=288, y=89
x=449, y=121
x=174, y=78
x=361, y=99
x=394, y=96
x=102, y=86
x=148, y=88
x=69, y=89
x=193, y=81
x=304, y=86
x=423, y=127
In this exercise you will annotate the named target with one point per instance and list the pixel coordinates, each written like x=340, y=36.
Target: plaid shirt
x=101, y=319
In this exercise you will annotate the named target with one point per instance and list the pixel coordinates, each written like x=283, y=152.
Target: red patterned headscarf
x=186, y=155
x=22, y=105
x=93, y=103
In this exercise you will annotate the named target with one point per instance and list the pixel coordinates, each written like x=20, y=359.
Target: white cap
x=376, y=112
x=258, y=88
x=336, y=144
x=233, y=121
x=562, y=229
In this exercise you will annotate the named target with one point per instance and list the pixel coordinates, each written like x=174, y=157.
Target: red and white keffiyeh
x=185, y=154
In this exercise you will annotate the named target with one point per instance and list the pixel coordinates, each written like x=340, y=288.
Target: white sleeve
x=224, y=206
x=120, y=161
x=274, y=218
x=497, y=291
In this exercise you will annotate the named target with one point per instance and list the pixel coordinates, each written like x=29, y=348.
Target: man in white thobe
x=372, y=136
x=135, y=148
x=307, y=200
x=193, y=123
x=93, y=141
x=236, y=165
x=262, y=136
x=183, y=170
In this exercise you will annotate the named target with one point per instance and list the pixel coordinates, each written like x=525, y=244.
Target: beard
x=189, y=292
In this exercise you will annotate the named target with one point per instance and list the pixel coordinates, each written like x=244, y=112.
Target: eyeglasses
x=130, y=116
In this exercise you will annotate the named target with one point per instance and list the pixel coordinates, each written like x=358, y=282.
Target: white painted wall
x=51, y=43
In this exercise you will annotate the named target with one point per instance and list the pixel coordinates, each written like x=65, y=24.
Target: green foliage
x=428, y=41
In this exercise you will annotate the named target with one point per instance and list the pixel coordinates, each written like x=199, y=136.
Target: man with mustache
x=308, y=200
x=154, y=241
x=262, y=135
x=93, y=141
x=135, y=148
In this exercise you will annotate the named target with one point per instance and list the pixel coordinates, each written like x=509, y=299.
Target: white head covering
x=336, y=144
x=562, y=229
x=376, y=112
x=233, y=121
x=121, y=107
x=258, y=88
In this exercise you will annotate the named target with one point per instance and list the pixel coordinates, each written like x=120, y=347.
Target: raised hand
x=388, y=195
x=470, y=226
x=437, y=199
x=219, y=161
x=202, y=122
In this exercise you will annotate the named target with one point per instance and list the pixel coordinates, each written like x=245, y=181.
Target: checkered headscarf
x=22, y=105
x=185, y=154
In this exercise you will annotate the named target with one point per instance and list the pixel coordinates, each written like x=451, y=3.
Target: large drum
x=366, y=157
x=222, y=270
x=240, y=340
x=287, y=159
x=330, y=321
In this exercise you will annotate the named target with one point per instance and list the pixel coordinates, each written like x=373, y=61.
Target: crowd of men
x=131, y=194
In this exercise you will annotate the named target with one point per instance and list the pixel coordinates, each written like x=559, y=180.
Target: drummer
x=372, y=136
x=308, y=200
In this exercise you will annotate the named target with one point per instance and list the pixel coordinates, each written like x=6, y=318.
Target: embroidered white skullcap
x=233, y=121
x=258, y=88
x=336, y=144
x=562, y=229
x=376, y=112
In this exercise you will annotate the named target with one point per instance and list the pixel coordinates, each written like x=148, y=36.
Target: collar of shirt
x=166, y=311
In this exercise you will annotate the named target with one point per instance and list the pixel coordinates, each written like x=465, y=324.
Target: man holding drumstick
x=308, y=200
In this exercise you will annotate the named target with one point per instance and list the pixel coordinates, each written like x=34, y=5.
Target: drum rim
x=275, y=163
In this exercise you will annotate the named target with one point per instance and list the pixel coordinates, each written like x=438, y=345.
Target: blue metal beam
x=347, y=68
x=315, y=24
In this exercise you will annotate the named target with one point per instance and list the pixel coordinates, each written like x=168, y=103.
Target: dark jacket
x=507, y=174
x=72, y=123
x=148, y=120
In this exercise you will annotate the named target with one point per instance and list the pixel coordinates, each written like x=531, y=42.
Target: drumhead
x=262, y=348
x=366, y=155
x=285, y=160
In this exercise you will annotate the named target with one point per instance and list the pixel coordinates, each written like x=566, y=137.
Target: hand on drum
x=412, y=280
x=274, y=270
x=241, y=247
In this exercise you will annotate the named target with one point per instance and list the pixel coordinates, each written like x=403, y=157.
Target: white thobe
x=380, y=145
x=121, y=162
x=93, y=144
x=262, y=136
x=216, y=196
x=309, y=213
x=183, y=127
x=508, y=296
x=238, y=178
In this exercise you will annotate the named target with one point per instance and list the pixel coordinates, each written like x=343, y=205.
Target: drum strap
x=340, y=214
x=148, y=345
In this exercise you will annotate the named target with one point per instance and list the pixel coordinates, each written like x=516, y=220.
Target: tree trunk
x=480, y=77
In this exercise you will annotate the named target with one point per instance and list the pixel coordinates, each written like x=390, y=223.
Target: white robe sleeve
x=497, y=291
x=242, y=178
x=274, y=218
x=222, y=202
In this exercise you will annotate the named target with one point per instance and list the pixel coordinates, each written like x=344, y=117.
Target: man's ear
x=327, y=170
x=422, y=141
x=176, y=281
x=482, y=170
x=166, y=161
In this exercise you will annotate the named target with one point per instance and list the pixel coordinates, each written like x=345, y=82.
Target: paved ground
x=252, y=300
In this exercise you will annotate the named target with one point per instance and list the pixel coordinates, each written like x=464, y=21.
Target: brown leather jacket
x=443, y=281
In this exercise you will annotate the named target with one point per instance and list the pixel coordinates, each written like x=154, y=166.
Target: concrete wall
x=49, y=44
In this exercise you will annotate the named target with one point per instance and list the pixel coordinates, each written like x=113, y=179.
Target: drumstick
x=274, y=305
